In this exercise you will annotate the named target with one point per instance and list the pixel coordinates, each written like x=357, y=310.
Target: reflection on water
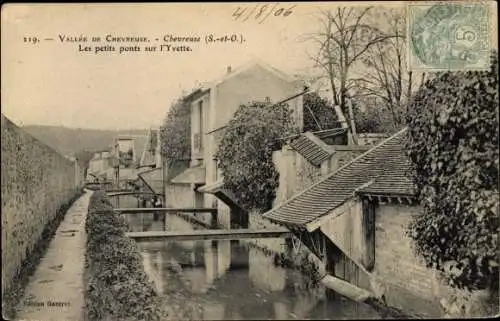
x=227, y=280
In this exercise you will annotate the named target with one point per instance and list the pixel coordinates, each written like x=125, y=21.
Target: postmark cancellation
x=449, y=35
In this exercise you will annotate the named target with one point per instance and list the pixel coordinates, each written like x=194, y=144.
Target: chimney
x=228, y=69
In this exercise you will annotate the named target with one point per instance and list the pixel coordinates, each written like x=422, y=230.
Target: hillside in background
x=72, y=141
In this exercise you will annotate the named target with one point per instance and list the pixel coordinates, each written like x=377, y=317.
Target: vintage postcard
x=245, y=160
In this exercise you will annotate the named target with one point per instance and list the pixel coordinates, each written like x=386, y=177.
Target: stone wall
x=36, y=182
x=297, y=254
x=409, y=284
x=371, y=139
x=179, y=195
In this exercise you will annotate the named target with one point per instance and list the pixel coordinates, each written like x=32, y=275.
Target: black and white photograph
x=250, y=160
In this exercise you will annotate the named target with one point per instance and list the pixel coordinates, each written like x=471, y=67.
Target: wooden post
x=353, y=124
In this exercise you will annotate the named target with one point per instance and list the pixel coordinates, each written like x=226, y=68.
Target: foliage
x=318, y=110
x=245, y=152
x=385, y=78
x=371, y=117
x=117, y=286
x=344, y=39
x=453, y=146
x=83, y=157
x=175, y=133
x=127, y=158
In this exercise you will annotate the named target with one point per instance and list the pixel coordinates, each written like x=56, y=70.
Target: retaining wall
x=36, y=182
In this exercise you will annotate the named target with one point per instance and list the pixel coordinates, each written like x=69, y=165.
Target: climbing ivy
x=175, y=133
x=453, y=145
x=245, y=152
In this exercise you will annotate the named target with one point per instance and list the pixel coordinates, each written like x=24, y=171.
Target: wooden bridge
x=166, y=210
x=231, y=234
x=126, y=192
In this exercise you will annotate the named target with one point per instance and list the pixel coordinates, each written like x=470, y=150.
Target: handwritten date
x=261, y=12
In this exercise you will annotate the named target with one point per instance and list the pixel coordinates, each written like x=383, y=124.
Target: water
x=229, y=280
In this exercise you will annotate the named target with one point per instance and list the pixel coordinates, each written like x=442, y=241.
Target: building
x=150, y=171
x=355, y=219
x=99, y=165
x=211, y=108
x=127, y=151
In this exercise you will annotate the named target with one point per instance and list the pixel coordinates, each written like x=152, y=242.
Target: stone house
x=354, y=220
x=211, y=108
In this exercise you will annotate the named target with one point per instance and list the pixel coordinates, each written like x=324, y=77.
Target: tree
x=386, y=79
x=126, y=158
x=370, y=117
x=83, y=158
x=453, y=146
x=343, y=40
x=245, y=152
x=175, y=133
x=318, y=113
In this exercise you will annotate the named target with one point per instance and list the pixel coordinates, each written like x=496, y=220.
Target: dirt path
x=55, y=291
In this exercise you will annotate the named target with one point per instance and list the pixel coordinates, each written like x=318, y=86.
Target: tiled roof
x=154, y=178
x=385, y=165
x=312, y=148
x=395, y=182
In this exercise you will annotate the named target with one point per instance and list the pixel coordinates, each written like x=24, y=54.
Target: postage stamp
x=448, y=36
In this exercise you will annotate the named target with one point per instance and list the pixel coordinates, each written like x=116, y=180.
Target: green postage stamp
x=449, y=35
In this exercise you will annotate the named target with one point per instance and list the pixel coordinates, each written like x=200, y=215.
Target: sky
x=52, y=83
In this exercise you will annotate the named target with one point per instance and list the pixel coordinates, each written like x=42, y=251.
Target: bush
x=245, y=152
x=318, y=110
x=453, y=145
x=175, y=133
x=117, y=286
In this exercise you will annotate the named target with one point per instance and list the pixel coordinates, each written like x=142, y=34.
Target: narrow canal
x=230, y=280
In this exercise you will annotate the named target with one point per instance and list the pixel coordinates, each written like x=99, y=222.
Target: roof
x=221, y=193
x=212, y=188
x=395, y=182
x=312, y=148
x=192, y=175
x=253, y=62
x=382, y=168
x=154, y=178
x=322, y=134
